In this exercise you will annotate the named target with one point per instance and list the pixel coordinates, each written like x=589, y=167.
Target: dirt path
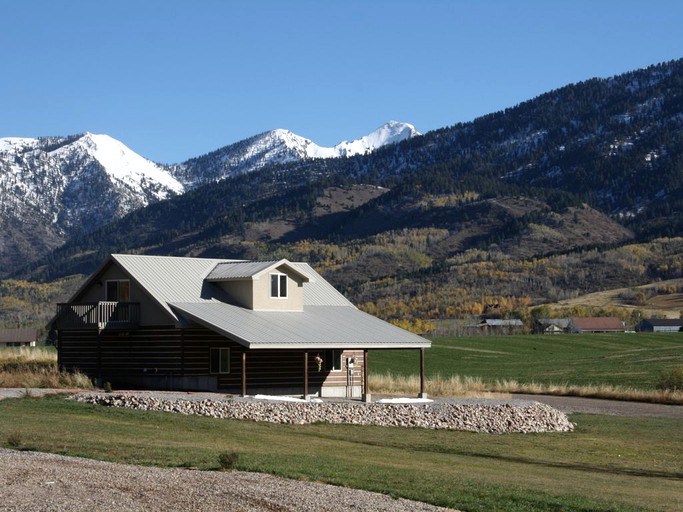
x=570, y=404
x=32, y=481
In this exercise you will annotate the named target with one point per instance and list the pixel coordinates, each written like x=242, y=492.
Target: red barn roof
x=598, y=324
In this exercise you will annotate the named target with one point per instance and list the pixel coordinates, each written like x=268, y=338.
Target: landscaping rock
x=489, y=416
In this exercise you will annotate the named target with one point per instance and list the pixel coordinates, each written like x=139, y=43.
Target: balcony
x=98, y=315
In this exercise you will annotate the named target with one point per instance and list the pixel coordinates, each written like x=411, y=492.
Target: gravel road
x=31, y=481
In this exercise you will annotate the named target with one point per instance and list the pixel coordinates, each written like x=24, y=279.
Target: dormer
x=261, y=285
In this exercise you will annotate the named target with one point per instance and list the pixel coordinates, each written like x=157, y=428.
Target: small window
x=117, y=291
x=278, y=286
x=333, y=360
x=220, y=360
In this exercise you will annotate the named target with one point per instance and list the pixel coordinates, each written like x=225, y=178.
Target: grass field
x=607, y=464
x=626, y=360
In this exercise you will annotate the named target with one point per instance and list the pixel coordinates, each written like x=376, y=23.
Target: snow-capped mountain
x=78, y=183
x=281, y=146
x=53, y=188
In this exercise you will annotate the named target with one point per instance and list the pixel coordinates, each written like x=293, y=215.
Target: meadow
x=623, y=365
x=607, y=464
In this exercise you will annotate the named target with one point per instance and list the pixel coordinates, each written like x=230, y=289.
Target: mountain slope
x=281, y=147
x=55, y=188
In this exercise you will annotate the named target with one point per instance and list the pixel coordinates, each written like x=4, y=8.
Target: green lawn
x=629, y=360
x=608, y=463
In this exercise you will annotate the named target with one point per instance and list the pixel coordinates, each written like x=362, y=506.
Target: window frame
x=331, y=356
x=220, y=351
x=280, y=280
x=118, y=290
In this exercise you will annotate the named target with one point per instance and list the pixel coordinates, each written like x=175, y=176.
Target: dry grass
x=36, y=367
x=43, y=378
x=388, y=384
x=24, y=355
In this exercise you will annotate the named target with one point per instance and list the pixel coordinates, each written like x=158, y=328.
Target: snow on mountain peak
x=389, y=133
x=124, y=165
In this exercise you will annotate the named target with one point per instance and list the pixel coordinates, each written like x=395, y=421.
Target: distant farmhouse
x=661, y=325
x=18, y=337
x=596, y=324
x=238, y=327
x=551, y=325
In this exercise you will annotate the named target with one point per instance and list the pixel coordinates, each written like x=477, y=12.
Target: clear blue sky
x=176, y=79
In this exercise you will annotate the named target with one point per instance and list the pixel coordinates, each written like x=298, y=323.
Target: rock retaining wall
x=481, y=416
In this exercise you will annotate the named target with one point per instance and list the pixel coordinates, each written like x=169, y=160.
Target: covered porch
x=345, y=376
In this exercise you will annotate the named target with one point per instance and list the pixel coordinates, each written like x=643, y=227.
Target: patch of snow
x=278, y=398
x=404, y=401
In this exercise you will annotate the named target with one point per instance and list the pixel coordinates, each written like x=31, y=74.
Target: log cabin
x=232, y=326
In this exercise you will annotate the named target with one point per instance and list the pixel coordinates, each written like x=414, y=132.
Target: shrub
x=671, y=379
x=107, y=387
x=228, y=460
x=14, y=440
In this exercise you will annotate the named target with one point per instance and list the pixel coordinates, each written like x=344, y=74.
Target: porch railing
x=100, y=315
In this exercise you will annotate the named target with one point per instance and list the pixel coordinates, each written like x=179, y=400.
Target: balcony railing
x=100, y=315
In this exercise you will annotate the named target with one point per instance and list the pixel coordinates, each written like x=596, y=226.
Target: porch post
x=244, y=373
x=422, y=374
x=367, y=397
x=305, y=374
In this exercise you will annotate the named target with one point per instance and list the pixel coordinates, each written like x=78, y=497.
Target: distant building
x=502, y=326
x=661, y=325
x=551, y=325
x=18, y=337
x=596, y=324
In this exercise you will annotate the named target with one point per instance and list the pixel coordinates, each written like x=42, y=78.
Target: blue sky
x=176, y=79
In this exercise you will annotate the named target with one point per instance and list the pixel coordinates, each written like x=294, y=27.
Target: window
x=278, y=286
x=117, y=291
x=333, y=360
x=220, y=360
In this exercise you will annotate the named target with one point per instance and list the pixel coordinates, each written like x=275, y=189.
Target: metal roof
x=21, y=335
x=608, y=323
x=316, y=327
x=665, y=322
x=496, y=322
x=559, y=322
x=171, y=279
x=328, y=320
x=240, y=270
x=168, y=279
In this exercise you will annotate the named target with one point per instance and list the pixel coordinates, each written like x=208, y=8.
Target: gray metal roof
x=495, y=322
x=328, y=319
x=560, y=322
x=171, y=279
x=316, y=327
x=175, y=279
x=239, y=270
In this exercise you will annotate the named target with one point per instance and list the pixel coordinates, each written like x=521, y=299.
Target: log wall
x=164, y=357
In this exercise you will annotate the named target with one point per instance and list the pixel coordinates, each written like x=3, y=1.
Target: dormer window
x=278, y=286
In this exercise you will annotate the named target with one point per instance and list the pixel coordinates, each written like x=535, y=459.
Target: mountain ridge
x=55, y=188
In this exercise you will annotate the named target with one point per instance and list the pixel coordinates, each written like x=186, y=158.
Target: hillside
x=55, y=188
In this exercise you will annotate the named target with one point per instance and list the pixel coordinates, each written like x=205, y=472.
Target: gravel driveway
x=31, y=481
